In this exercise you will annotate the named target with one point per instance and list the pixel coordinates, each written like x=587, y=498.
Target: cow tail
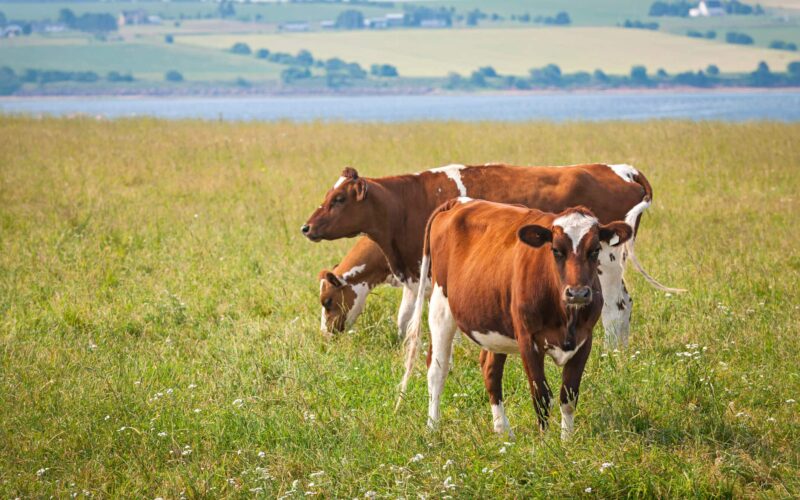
x=632, y=219
x=414, y=328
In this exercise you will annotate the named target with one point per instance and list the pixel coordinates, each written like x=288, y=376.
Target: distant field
x=763, y=29
x=159, y=320
x=270, y=12
x=511, y=51
x=145, y=61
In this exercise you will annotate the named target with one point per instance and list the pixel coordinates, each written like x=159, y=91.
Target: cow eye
x=594, y=254
x=327, y=304
x=557, y=253
x=339, y=199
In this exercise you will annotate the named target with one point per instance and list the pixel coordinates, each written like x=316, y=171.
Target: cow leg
x=533, y=362
x=570, y=385
x=492, y=365
x=443, y=328
x=617, y=304
x=406, y=309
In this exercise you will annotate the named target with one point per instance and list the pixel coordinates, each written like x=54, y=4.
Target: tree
x=67, y=17
x=639, y=75
x=548, y=75
x=304, y=58
x=662, y=73
x=454, y=81
x=9, y=82
x=335, y=64
x=294, y=73
x=114, y=76
x=712, y=70
x=2, y=19
x=600, y=76
x=350, y=20
x=762, y=76
x=173, y=76
x=488, y=72
x=793, y=68
x=241, y=48
x=477, y=79
x=354, y=70
x=169, y=39
x=225, y=9
x=262, y=53
x=738, y=38
x=384, y=70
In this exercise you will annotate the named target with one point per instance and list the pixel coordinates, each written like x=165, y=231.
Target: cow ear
x=331, y=278
x=534, y=235
x=350, y=173
x=616, y=233
x=361, y=189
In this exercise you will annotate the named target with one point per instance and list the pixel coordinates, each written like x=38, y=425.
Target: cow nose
x=568, y=345
x=578, y=293
x=305, y=229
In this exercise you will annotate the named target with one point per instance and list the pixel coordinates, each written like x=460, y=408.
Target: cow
x=392, y=212
x=343, y=290
x=515, y=281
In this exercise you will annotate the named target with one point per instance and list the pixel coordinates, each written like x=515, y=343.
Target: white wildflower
x=261, y=454
x=417, y=457
x=449, y=484
x=317, y=474
x=502, y=450
x=41, y=471
x=162, y=434
x=606, y=465
x=192, y=386
x=447, y=464
x=790, y=401
x=589, y=489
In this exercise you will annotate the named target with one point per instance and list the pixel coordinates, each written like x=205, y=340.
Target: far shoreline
x=222, y=93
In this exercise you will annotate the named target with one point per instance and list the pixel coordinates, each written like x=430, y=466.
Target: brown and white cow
x=343, y=290
x=515, y=281
x=392, y=212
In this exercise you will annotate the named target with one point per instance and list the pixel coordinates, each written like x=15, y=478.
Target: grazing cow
x=514, y=280
x=343, y=290
x=392, y=212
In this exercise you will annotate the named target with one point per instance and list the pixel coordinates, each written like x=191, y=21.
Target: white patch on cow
x=627, y=172
x=464, y=199
x=361, y=290
x=500, y=421
x=496, y=342
x=560, y=356
x=454, y=173
x=616, y=301
x=323, y=327
x=443, y=329
x=353, y=271
x=339, y=182
x=567, y=420
x=575, y=225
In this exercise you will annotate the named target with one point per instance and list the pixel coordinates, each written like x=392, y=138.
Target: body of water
x=726, y=106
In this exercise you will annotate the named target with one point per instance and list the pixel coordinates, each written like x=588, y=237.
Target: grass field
x=147, y=61
x=159, y=316
x=512, y=51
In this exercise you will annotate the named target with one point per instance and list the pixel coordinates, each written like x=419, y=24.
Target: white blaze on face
x=454, y=173
x=361, y=290
x=575, y=225
x=339, y=182
x=625, y=171
x=464, y=199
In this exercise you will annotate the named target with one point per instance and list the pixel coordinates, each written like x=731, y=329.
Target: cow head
x=341, y=302
x=574, y=238
x=341, y=214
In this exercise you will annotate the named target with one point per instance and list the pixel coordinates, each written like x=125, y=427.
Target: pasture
x=159, y=319
x=511, y=51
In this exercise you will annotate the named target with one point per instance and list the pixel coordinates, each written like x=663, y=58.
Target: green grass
x=511, y=51
x=148, y=61
x=159, y=316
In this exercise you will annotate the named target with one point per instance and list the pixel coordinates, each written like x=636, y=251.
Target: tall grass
x=159, y=316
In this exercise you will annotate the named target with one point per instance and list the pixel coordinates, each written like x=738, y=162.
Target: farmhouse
x=131, y=17
x=708, y=8
x=11, y=31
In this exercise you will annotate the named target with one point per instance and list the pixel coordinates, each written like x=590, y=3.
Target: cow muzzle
x=308, y=232
x=577, y=296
